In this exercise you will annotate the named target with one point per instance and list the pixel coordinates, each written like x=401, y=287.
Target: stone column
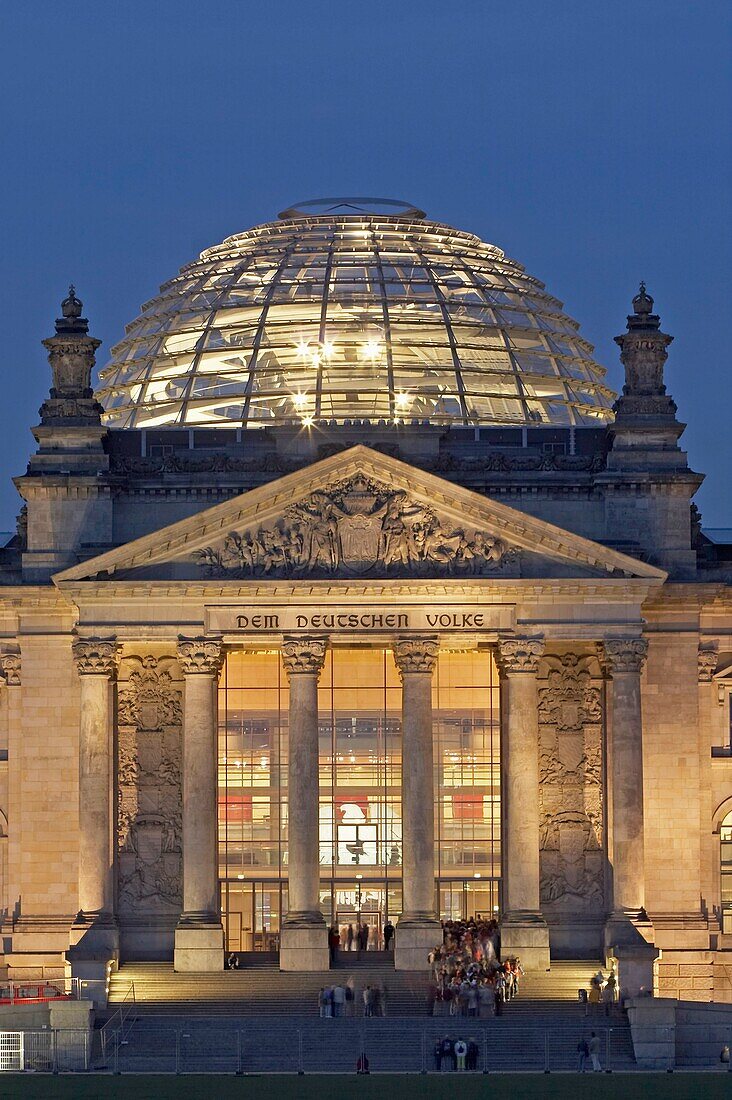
x=709, y=715
x=524, y=931
x=95, y=937
x=11, y=714
x=625, y=658
x=303, y=939
x=628, y=931
x=199, y=935
x=418, y=928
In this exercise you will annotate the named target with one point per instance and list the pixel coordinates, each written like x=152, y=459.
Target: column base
x=413, y=941
x=93, y=953
x=629, y=943
x=304, y=944
x=199, y=948
x=525, y=934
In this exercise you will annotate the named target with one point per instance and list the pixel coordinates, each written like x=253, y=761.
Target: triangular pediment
x=364, y=514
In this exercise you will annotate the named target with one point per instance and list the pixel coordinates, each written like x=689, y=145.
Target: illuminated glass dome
x=353, y=309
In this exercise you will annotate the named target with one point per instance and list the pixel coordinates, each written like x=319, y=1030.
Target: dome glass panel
x=353, y=309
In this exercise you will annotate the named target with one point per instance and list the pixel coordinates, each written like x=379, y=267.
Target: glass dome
x=353, y=309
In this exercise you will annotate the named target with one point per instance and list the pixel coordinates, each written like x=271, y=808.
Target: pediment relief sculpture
x=357, y=527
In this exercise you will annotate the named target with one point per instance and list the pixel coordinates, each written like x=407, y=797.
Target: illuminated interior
x=360, y=790
x=726, y=870
x=353, y=309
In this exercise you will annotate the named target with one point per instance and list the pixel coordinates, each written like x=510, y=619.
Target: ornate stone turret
x=643, y=354
x=71, y=355
x=67, y=499
x=645, y=450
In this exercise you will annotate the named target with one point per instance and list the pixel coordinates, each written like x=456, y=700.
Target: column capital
x=625, y=654
x=708, y=659
x=304, y=653
x=200, y=656
x=95, y=656
x=520, y=653
x=10, y=669
x=416, y=653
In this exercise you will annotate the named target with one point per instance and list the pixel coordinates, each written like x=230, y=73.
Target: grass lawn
x=636, y=1086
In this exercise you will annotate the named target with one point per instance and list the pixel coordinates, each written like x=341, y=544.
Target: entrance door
x=251, y=913
x=358, y=902
x=461, y=899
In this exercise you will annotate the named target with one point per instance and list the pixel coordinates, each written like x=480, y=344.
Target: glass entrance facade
x=360, y=790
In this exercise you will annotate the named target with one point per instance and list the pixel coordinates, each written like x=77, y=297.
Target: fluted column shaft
x=200, y=661
x=96, y=664
x=415, y=658
x=303, y=659
x=519, y=658
x=625, y=658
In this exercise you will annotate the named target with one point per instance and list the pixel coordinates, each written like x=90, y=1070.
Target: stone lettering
x=376, y=619
x=451, y=621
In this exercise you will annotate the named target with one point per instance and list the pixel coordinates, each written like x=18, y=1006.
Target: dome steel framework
x=353, y=309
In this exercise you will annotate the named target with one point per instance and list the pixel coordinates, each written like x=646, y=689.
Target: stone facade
x=568, y=552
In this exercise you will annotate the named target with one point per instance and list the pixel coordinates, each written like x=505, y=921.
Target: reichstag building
x=354, y=592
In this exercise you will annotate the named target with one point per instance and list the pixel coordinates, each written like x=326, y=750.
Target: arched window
x=726, y=870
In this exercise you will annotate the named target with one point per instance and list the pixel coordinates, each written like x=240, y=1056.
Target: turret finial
x=643, y=303
x=71, y=321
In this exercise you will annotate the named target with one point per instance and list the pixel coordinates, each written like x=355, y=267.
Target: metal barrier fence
x=703, y=1044
x=117, y=1028
x=52, y=1050
x=300, y=1047
x=48, y=989
x=322, y=1048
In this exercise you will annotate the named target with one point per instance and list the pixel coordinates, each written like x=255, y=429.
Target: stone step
x=263, y=989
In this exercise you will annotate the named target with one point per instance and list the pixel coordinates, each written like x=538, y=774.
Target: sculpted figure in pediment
x=357, y=527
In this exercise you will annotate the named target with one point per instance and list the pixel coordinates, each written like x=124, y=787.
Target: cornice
x=616, y=590
x=268, y=502
x=44, y=597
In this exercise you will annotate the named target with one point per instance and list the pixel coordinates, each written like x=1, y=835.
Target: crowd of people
x=359, y=936
x=469, y=976
x=342, y=999
x=603, y=992
x=455, y=1054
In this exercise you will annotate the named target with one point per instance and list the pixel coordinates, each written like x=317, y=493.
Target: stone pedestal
x=94, y=937
x=653, y=1031
x=199, y=935
x=418, y=929
x=199, y=947
x=634, y=959
x=303, y=938
x=524, y=931
x=304, y=947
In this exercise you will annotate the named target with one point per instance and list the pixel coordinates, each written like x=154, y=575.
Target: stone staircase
x=261, y=990
x=224, y=1022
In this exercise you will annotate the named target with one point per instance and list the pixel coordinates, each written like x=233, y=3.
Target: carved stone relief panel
x=149, y=725
x=571, y=787
x=357, y=527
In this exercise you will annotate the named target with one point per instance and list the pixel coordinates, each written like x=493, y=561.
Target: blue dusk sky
x=589, y=139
